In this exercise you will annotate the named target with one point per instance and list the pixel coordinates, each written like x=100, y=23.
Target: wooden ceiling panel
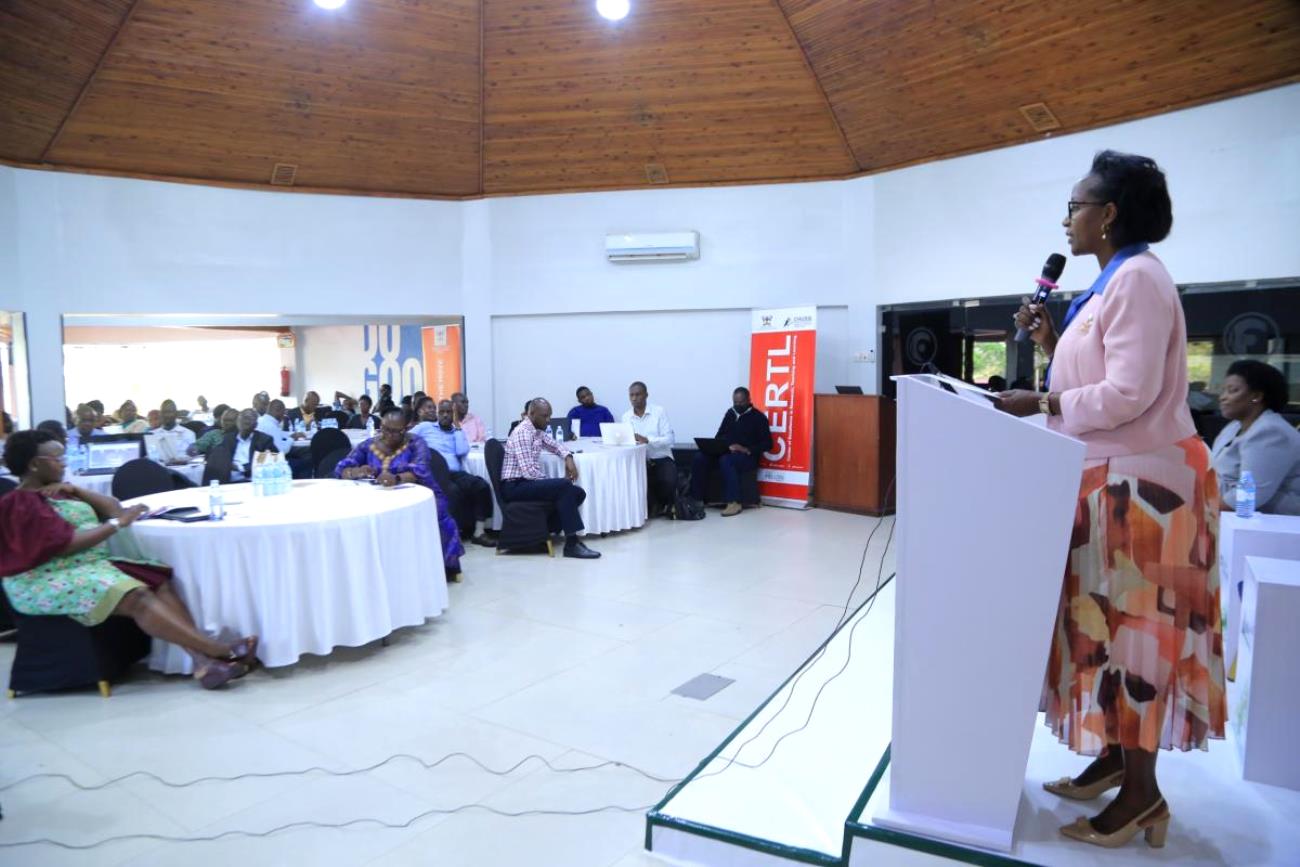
x=715, y=92
x=917, y=81
x=48, y=49
x=462, y=98
x=382, y=96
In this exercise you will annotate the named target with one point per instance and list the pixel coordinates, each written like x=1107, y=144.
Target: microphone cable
x=869, y=603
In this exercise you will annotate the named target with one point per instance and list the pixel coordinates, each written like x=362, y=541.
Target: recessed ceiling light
x=614, y=10
x=330, y=4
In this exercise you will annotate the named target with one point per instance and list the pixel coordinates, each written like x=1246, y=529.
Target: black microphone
x=1052, y=269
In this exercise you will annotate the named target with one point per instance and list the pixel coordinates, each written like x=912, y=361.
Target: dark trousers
x=731, y=465
x=566, y=496
x=661, y=483
x=470, y=501
x=300, y=464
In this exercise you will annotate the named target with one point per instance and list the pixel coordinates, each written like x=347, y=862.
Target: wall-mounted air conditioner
x=658, y=247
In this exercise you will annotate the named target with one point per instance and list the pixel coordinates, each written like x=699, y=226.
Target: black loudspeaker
x=926, y=340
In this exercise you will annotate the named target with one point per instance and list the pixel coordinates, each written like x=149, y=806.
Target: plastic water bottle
x=259, y=477
x=370, y=426
x=284, y=475
x=85, y=457
x=1246, y=495
x=216, y=502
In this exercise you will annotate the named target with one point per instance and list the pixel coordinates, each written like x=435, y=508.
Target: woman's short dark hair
x=21, y=449
x=1263, y=378
x=580, y=390
x=1137, y=187
x=219, y=410
x=55, y=429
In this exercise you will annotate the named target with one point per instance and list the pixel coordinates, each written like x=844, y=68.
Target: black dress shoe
x=484, y=541
x=576, y=548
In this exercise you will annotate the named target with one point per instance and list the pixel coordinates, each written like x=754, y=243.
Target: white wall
x=91, y=244
x=976, y=225
x=692, y=376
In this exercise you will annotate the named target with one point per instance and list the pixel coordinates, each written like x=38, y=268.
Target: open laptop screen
x=110, y=452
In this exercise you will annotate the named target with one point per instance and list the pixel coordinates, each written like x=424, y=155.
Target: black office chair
x=55, y=652
x=523, y=525
x=219, y=465
x=141, y=477
x=327, y=440
x=198, y=427
x=325, y=469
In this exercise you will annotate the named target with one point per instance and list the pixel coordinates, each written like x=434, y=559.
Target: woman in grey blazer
x=1257, y=439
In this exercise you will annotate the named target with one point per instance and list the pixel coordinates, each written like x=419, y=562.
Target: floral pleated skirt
x=1137, y=651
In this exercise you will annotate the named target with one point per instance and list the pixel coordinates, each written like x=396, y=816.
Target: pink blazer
x=1121, y=366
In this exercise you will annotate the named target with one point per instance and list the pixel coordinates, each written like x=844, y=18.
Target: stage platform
x=804, y=788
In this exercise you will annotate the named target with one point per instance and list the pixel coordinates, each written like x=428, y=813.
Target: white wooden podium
x=986, y=504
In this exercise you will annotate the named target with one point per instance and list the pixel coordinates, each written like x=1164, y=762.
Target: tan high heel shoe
x=1066, y=788
x=1154, y=821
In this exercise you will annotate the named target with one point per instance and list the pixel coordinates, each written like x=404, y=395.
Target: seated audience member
x=470, y=497
x=304, y=417
x=363, y=415
x=228, y=422
x=275, y=424
x=261, y=403
x=997, y=384
x=385, y=400
x=653, y=430
x=98, y=407
x=1257, y=439
x=203, y=414
x=472, y=425
x=54, y=560
x=218, y=411
x=154, y=417
x=243, y=443
x=394, y=457
x=86, y=429
x=747, y=434
x=522, y=478
x=130, y=420
x=344, y=403
x=170, y=442
x=588, y=414
x=54, y=429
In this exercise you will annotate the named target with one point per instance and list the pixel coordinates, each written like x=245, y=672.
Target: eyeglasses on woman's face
x=1072, y=207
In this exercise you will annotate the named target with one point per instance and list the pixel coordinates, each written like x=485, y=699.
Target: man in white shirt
x=652, y=429
x=169, y=443
x=271, y=424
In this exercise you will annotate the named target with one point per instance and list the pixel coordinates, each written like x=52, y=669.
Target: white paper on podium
x=986, y=504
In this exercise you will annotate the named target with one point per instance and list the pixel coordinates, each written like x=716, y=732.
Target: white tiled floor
x=570, y=660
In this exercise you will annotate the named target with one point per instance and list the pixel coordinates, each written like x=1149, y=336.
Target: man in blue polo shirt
x=468, y=497
x=588, y=414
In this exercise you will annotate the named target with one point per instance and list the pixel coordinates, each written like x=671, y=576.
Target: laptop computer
x=712, y=446
x=560, y=429
x=848, y=389
x=616, y=434
x=107, y=453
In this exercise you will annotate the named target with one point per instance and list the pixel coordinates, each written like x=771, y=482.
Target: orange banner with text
x=782, y=367
x=442, y=361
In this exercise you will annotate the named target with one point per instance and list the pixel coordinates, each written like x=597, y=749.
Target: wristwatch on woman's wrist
x=1045, y=403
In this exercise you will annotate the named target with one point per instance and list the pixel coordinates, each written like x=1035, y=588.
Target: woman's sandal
x=245, y=651
x=218, y=672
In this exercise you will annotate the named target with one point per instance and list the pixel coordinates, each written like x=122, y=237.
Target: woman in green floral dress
x=54, y=560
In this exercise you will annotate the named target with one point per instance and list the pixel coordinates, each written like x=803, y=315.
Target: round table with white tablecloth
x=103, y=483
x=329, y=564
x=614, y=478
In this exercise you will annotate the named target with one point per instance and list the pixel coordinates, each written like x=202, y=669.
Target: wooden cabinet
x=853, y=453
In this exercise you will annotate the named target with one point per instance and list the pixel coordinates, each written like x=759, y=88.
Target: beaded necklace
x=385, y=460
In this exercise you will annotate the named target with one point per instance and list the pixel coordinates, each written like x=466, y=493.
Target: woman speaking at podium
x=1136, y=663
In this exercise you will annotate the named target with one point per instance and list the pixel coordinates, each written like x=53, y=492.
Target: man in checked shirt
x=522, y=477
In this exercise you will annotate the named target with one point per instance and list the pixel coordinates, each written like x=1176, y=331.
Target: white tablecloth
x=103, y=484
x=329, y=564
x=614, y=478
